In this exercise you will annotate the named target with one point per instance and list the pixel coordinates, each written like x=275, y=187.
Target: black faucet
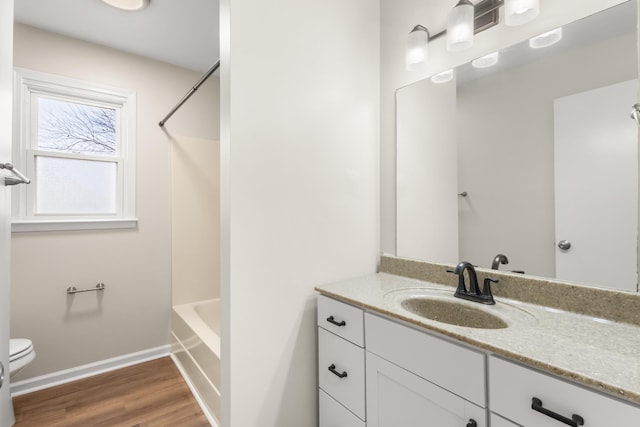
x=499, y=259
x=473, y=293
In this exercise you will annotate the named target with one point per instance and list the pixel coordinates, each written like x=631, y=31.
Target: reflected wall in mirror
x=546, y=152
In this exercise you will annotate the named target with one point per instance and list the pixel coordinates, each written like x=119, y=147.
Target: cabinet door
x=396, y=397
x=454, y=368
x=497, y=421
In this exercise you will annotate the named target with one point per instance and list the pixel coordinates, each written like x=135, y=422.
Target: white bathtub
x=195, y=330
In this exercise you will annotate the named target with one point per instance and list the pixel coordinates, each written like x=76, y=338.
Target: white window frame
x=29, y=85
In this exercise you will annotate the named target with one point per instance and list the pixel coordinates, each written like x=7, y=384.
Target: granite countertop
x=599, y=353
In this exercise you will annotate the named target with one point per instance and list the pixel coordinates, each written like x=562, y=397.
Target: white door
x=596, y=187
x=396, y=397
x=6, y=67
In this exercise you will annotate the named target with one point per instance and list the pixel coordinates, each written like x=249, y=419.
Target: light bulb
x=129, y=5
x=546, y=39
x=486, y=61
x=519, y=12
x=443, y=77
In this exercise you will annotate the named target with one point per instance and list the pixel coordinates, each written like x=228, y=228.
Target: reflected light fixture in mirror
x=486, y=61
x=129, y=5
x=443, y=77
x=463, y=22
x=460, y=27
x=546, y=39
x=519, y=12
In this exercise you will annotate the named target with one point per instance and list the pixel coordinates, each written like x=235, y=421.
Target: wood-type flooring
x=148, y=394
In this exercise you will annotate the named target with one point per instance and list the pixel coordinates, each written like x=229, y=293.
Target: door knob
x=565, y=245
x=635, y=113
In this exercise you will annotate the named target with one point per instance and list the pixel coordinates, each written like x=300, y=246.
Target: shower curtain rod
x=188, y=95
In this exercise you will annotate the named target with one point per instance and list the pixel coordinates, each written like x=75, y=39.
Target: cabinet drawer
x=344, y=358
x=341, y=319
x=333, y=414
x=513, y=387
x=455, y=368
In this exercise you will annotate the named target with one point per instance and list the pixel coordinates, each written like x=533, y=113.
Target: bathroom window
x=76, y=142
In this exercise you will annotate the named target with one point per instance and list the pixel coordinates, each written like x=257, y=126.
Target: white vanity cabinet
x=515, y=391
x=341, y=364
x=377, y=372
x=498, y=421
x=416, y=380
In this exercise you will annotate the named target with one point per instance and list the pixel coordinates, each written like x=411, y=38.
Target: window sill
x=73, y=225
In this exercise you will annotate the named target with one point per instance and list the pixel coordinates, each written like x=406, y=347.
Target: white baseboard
x=61, y=377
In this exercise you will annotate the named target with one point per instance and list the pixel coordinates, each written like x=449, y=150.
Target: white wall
x=397, y=18
x=195, y=222
x=299, y=144
x=133, y=313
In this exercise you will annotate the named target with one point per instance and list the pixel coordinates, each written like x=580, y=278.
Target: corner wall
x=133, y=313
x=299, y=144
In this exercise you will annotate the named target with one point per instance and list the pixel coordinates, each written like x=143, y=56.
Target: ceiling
x=180, y=32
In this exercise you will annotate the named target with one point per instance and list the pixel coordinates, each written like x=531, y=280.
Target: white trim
x=193, y=389
x=88, y=370
x=29, y=84
x=73, y=225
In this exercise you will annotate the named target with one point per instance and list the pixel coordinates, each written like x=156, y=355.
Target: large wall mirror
x=534, y=158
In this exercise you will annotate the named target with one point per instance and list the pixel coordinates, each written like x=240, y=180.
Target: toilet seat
x=18, y=348
x=21, y=353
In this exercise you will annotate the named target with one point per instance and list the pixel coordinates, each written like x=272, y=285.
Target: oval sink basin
x=441, y=306
x=453, y=313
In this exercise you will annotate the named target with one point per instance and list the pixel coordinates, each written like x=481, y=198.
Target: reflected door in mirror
x=596, y=186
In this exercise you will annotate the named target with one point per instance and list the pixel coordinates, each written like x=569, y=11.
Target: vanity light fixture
x=465, y=20
x=460, y=27
x=417, y=54
x=546, y=39
x=128, y=5
x=443, y=77
x=486, y=61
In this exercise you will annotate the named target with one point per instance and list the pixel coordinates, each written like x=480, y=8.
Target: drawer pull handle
x=472, y=423
x=343, y=374
x=574, y=421
x=330, y=319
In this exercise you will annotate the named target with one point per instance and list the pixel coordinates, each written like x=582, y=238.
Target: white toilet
x=21, y=353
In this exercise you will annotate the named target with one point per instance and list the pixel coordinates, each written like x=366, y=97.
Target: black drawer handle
x=330, y=319
x=574, y=421
x=343, y=374
x=472, y=423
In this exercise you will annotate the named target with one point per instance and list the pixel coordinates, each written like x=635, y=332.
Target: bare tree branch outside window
x=76, y=128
